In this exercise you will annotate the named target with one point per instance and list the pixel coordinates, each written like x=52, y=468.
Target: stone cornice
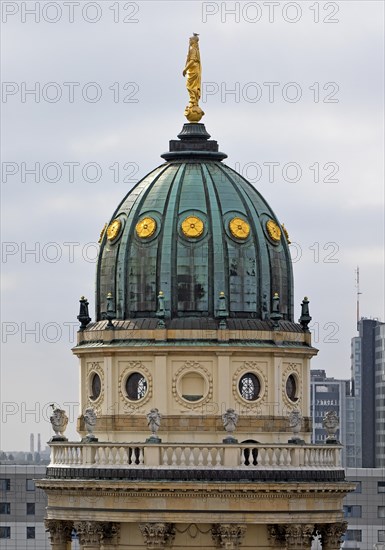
x=136, y=489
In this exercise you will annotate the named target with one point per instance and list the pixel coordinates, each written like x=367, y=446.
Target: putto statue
x=230, y=419
x=59, y=421
x=89, y=423
x=295, y=423
x=193, y=70
x=331, y=422
x=153, y=422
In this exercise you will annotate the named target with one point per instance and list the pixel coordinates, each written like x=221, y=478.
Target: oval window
x=249, y=386
x=291, y=388
x=136, y=386
x=96, y=386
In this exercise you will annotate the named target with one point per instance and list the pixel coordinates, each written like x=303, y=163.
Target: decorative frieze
x=157, y=535
x=228, y=535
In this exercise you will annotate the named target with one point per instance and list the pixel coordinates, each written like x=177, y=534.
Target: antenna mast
x=357, y=271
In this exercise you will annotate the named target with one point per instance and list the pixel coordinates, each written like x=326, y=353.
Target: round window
x=96, y=386
x=291, y=388
x=136, y=386
x=249, y=386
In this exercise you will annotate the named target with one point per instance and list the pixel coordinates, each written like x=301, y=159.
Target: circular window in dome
x=292, y=388
x=192, y=227
x=146, y=227
x=239, y=228
x=95, y=386
x=249, y=386
x=136, y=386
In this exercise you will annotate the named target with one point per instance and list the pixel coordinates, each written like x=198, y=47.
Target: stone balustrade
x=176, y=455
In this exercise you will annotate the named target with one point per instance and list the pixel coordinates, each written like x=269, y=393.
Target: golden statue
x=193, y=112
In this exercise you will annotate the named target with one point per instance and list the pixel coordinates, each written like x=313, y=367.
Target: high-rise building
x=22, y=508
x=198, y=373
x=368, y=395
x=329, y=394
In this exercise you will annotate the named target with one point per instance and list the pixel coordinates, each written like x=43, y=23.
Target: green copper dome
x=194, y=230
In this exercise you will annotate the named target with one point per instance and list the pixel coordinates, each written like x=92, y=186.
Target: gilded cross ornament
x=273, y=230
x=239, y=228
x=193, y=71
x=145, y=227
x=113, y=229
x=192, y=226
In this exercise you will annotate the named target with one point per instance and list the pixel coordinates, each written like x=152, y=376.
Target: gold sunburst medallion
x=192, y=226
x=286, y=234
x=239, y=228
x=113, y=229
x=273, y=230
x=145, y=227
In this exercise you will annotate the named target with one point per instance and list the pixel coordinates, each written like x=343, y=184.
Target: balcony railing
x=199, y=456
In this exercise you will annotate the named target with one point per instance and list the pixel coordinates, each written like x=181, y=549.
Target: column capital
x=94, y=532
x=157, y=535
x=59, y=530
x=291, y=535
x=331, y=534
x=228, y=535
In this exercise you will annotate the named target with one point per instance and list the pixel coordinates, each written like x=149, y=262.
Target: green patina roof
x=192, y=272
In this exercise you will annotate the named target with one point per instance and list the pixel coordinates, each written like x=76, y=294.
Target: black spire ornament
x=161, y=311
x=305, y=315
x=275, y=315
x=222, y=312
x=111, y=313
x=83, y=317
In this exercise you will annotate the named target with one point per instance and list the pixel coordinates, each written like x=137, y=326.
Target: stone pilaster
x=292, y=536
x=228, y=535
x=331, y=534
x=59, y=533
x=157, y=535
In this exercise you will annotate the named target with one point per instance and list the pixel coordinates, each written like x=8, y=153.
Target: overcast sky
x=307, y=101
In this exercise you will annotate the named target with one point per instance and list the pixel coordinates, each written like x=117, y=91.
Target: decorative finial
x=295, y=423
x=193, y=70
x=330, y=423
x=275, y=316
x=161, y=311
x=305, y=315
x=83, y=317
x=111, y=313
x=59, y=421
x=222, y=312
x=89, y=423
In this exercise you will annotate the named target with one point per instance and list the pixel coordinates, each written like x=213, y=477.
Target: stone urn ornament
x=295, y=423
x=59, y=421
x=89, y=417
x=153, y=422
x=230, y=420
x=331, y=423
